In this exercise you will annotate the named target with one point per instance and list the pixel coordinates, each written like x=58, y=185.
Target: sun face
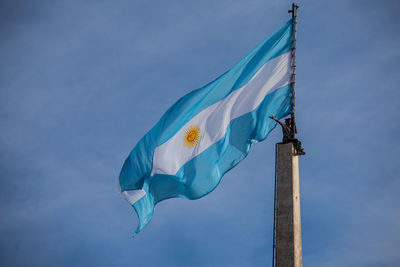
x=192, y=136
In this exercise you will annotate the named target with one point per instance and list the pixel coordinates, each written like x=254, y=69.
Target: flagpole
x=293, y=78
x=293, y=82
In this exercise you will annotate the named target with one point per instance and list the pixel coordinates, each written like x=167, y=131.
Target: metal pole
x=293, y=78
x=274, y=227
x=293, y=82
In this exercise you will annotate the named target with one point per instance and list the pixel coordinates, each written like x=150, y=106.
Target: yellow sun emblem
x=192, y=136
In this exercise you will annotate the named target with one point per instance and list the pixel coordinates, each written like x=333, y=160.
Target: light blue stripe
x=138, y=165
x=202, y=174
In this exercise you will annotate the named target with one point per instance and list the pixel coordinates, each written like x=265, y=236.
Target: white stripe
x=132, y=195
x=214, y=120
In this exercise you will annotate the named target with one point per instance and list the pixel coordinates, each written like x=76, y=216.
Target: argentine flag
x=211, y=129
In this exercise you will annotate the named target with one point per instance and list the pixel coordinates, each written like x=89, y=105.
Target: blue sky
x=82, y=81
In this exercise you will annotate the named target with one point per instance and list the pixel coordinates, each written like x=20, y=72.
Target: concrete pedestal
x=288, y=223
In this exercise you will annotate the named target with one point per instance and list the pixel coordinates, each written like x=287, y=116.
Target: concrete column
x=288, y=224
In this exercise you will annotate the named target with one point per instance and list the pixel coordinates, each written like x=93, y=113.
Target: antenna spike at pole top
x=293, y=10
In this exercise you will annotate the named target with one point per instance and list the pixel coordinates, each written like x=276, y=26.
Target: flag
x=211, y=129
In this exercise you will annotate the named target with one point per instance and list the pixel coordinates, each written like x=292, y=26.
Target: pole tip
x=294, y=6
